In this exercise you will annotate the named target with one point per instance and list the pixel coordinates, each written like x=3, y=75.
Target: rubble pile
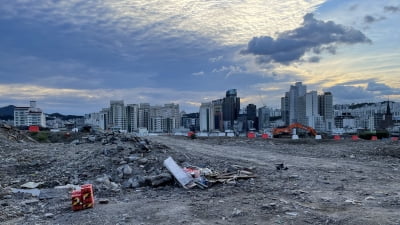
x=110, y=161
x=9, y=133
x=115, y=163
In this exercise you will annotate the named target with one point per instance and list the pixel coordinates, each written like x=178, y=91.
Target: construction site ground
x=320, y=182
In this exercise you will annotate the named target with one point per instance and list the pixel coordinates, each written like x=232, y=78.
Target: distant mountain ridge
x=7, y=113
x=63, y=117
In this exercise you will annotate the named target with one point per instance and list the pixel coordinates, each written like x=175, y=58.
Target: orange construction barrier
x=395, y=138
x=354, y=137
x=374, y=138
x=336, y=137
x=251, y=135
x=264, y=136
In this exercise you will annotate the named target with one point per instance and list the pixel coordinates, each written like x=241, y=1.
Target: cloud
x=314, y=35
x=392, y=9
x=227, y=22
x=216, y=59
x=371, y=19
x=201, y=73
x=353, y=7
x=229, y=69
x=350, y=93
x=382, y=89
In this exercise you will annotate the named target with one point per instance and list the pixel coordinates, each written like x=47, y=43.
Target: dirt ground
x=326, y=182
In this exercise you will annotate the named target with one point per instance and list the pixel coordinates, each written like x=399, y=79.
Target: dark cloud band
x=314, y=35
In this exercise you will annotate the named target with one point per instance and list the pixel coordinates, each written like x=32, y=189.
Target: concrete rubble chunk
x=31, y=185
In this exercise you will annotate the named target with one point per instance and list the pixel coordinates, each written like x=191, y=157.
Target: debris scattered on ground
x=243, y=180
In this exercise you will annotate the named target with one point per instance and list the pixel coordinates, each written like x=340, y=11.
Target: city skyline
x=68, y=54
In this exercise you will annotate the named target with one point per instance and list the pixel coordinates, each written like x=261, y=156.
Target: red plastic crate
x=84, y=198
x=76, y=200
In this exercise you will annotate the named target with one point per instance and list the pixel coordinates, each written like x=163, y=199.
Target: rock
x=132, y=158
x=291, y=213
x=92, y=138
x=143, y=161
x=104, y=180
x=103, y=201
x=160, y=179
x=125, y=170
x=49, y=215
x=127, y=183
x=31, y=185
x=237, y=212
x=269, y=206
x=114, y=185
x=75, y=142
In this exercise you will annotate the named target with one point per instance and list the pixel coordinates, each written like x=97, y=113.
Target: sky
x=74, y=56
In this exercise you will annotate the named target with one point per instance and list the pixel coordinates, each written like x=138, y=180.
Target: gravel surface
x=302, y=181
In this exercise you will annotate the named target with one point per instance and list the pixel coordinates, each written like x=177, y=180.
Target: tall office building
x=325, y=104
x=191, y=121
x=218, y=117
x=251, y=117
x=285, y=108
x=230, y=108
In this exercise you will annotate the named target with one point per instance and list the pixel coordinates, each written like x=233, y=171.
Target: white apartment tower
x=206, y=117
x=26, y=116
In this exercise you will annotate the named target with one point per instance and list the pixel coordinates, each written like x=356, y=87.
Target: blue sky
x=75, y=56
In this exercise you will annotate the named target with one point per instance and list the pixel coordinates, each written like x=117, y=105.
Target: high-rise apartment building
x=164, y=118
x=132, y=117
x=309, y=108
x=26, y=116
x=144, y=115
x=117, y=115
x=296, y=91
x=263, y=118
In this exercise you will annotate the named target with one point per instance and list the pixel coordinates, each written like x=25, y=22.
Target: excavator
x=279, y=131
